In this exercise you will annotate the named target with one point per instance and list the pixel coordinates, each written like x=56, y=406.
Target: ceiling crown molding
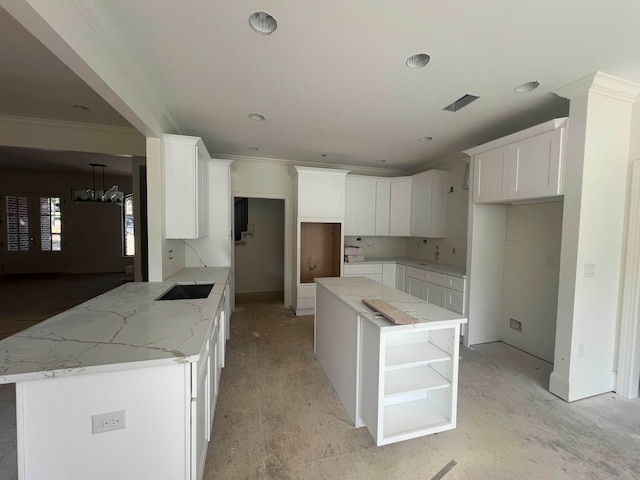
x=602, y=84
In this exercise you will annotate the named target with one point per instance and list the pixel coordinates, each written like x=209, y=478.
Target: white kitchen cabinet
x=383, y=207
x=200, y=389
x=525, y=165
x=320, y=192
x=186, y=180
x=446, y=291
x=360, y=207
x=429, y=204
x=389, y=274
x=400, y=207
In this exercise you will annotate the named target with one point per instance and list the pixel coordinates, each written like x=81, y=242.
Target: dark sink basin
x=187, y=292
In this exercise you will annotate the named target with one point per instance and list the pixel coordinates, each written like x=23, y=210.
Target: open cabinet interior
x=319, y=250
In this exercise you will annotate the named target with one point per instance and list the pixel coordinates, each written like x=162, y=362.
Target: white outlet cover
x=106, y=422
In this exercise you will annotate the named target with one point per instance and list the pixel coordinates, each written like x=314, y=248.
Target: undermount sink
x=189, y=291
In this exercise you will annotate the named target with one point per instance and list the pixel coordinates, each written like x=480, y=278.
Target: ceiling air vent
x=461, y=103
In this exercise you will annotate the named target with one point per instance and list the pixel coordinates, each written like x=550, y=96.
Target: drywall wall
x=214, y=250
x=92, y=233
x=261, y=178
x=453, y=248
x=259, y=260
x=531, y=269
x=379, y=246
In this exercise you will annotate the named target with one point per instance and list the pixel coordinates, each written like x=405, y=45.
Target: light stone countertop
x=453, y=270
x=122, y=329
x=351, y=291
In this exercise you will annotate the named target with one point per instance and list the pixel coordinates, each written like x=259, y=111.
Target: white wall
x=92, y=233
x=531, y=269
x=260, y=261
x=457, y=208
x=260, y=178
x=379, y=246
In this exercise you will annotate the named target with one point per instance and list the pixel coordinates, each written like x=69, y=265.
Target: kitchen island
x=400, y=381
x=121, y=386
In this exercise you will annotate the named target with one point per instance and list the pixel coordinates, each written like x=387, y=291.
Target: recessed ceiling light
x=381, y=161
x=253, y=149
x=322, y=155
x=263, y=23
x=80, y=107
x=527, y=87
x=418, y=60
x=256, y=116
x=425, y=139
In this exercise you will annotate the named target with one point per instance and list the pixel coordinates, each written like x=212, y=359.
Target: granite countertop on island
x=351, y=291
x=454, y=270
x=122, y=329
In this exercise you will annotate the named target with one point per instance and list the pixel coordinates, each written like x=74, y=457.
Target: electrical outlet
x=515, y=324
x=170, y=254
x=589, y=270
x=105, y=422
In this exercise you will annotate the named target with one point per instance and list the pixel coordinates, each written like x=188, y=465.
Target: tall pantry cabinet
x=319, y=209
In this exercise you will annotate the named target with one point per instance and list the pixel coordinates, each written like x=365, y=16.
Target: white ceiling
x=332, y=78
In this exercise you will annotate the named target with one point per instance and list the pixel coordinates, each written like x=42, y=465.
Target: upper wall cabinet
x=526, y=165
x=360, y=207
x=186, y=163
x=378, y=206
x=320, y=192
x=429, y=204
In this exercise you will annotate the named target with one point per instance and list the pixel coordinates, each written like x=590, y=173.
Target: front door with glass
x=32, y=236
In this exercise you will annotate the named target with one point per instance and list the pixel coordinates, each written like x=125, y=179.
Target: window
x=17, y=224
x=50, y=224
x=128, y=238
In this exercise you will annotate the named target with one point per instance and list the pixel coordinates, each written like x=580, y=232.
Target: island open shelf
x=400, y=381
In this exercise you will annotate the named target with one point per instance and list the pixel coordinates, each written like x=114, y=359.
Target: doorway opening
x=259, y=250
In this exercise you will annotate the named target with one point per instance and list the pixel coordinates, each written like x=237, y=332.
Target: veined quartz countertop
x=122, y=329
x=453, y=270
x=351, y=291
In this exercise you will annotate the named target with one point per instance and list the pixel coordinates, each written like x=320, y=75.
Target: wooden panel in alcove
x=319, y=250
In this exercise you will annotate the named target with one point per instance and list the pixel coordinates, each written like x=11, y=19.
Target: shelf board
x=413, y=355
x=413, y=379
x=410, y=418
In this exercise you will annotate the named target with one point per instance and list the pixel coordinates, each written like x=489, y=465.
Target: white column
x=597, y=165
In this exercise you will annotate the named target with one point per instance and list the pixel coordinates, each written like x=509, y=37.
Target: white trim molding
x=602, y=84
x=629, y=332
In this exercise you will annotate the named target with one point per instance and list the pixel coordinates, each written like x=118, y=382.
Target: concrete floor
x=278, y=418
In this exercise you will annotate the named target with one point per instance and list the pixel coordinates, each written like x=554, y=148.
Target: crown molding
x=50, y=123
x=602, y=84
x=358, y=170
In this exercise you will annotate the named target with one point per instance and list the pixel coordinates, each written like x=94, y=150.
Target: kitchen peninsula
x=400, y=381
x=122, y=386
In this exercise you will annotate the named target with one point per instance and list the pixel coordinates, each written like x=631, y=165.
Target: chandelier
x=98, y=195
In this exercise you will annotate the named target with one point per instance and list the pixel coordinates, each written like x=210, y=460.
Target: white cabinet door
x=525, y=165
x=400, y=208
x=417, y=288
x=400, y=278
x=389, y=274
x=535, y=166
x=186, y=187
x=383, y=206
x=436, y=295
x=200, y=413
x=360, y=208
x=428, y=205
x=491, y=175
x=320, y=192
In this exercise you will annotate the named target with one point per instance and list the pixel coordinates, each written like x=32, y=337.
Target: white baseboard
x=578, y=388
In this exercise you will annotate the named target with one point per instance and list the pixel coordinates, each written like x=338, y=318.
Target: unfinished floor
x=278, y=418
